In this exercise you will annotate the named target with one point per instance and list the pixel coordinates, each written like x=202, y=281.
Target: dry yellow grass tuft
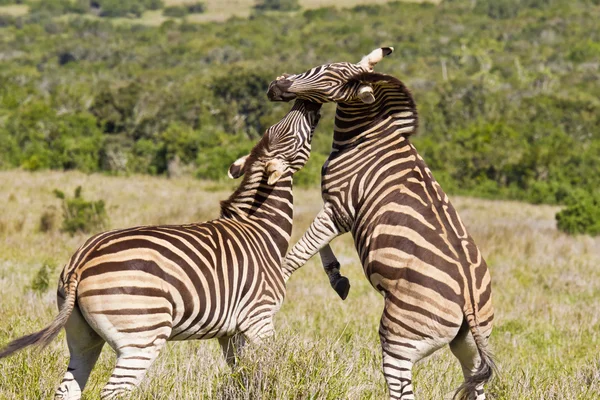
x=546, y=295
x=15, y=10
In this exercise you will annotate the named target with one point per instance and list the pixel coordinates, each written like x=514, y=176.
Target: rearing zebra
x=414, y=247
x=138, y=288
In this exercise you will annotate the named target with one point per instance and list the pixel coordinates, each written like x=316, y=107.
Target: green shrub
x=195, y=8
x=58, y=7
x=37, y=137
x=323, y=13
x=80, y=215
x=277, y=5
x=214, y=158
x=581, y=215
x=175, y=11
x=498, y=9
x=310, y=175
x=48, y=220
x=127, y=8
x=41, y=281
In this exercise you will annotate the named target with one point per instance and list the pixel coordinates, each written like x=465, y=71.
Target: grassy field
x=546, y=294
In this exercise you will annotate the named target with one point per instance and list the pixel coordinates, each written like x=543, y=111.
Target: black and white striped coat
x=413, y=246
x=138, y=288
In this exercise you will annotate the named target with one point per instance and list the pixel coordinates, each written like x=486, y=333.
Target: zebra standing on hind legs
x=412, y=244
x=138, y=288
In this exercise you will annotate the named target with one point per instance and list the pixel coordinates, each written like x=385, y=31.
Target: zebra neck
x=268, y=207
x=392, y=114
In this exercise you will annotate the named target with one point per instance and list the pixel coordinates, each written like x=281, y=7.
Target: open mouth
x=277, y=93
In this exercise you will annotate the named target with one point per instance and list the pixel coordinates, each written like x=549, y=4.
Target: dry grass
x=15, y=10
x=546, y=294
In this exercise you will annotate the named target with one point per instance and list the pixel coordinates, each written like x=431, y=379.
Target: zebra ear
x=374, y=57
x=365, y=94
x=237, y=168
x=275, y=169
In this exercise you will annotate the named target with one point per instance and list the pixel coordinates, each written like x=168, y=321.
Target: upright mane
x=227, y=210
x=393, y=101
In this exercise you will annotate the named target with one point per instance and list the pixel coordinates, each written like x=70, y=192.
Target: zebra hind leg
x=131, y=367
x=85, y=346
x=464, y=348
x=400, y=353
x=397, y=370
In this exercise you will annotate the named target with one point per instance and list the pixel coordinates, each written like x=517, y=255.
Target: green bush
x=59, y=7
x=277, y=5
x=42, y=279
x=48, y=220
x=195, y=8
x=127, y=8
x=36, y=137
x=581, y=215
x=214, y=158
x=80, y=215
x=310, y=175
x=175, y=11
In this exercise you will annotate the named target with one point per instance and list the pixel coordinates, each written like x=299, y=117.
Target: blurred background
x=508, y=91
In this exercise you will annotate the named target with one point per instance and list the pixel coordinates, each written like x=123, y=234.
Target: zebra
x=413, y=246
x=140, y=287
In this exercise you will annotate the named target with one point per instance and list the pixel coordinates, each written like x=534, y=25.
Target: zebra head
x=338, y=82
x=285, y=146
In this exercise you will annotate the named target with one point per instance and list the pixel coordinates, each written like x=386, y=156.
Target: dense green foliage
x=277, y=5
x=582, y=215
x=508, y=91
x=80, y=215
x=181, y=11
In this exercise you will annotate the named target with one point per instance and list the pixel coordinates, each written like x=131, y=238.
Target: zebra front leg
x=232, y=347
x=321, y=231
x=331, y=265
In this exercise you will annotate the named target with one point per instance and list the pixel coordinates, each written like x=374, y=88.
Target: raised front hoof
x=342, y=287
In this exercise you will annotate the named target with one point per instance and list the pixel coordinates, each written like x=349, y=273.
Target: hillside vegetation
x=508, y=91
x=546, y=288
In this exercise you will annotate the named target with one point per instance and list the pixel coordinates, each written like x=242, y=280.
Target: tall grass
x=546, y=294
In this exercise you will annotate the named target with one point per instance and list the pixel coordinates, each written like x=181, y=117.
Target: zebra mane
x=227, y=208
x=388, y=89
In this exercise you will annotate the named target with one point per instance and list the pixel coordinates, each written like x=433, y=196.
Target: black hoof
x=342, y=287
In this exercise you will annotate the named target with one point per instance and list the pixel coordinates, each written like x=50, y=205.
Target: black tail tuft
x=484, y=373
x=46, y=335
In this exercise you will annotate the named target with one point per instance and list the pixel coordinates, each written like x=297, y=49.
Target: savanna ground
x=546, y=295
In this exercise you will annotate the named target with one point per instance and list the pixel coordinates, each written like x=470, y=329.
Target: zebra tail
x=46, y=335
x=486, y=368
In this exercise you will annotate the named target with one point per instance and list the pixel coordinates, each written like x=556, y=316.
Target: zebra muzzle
x=278, y=90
